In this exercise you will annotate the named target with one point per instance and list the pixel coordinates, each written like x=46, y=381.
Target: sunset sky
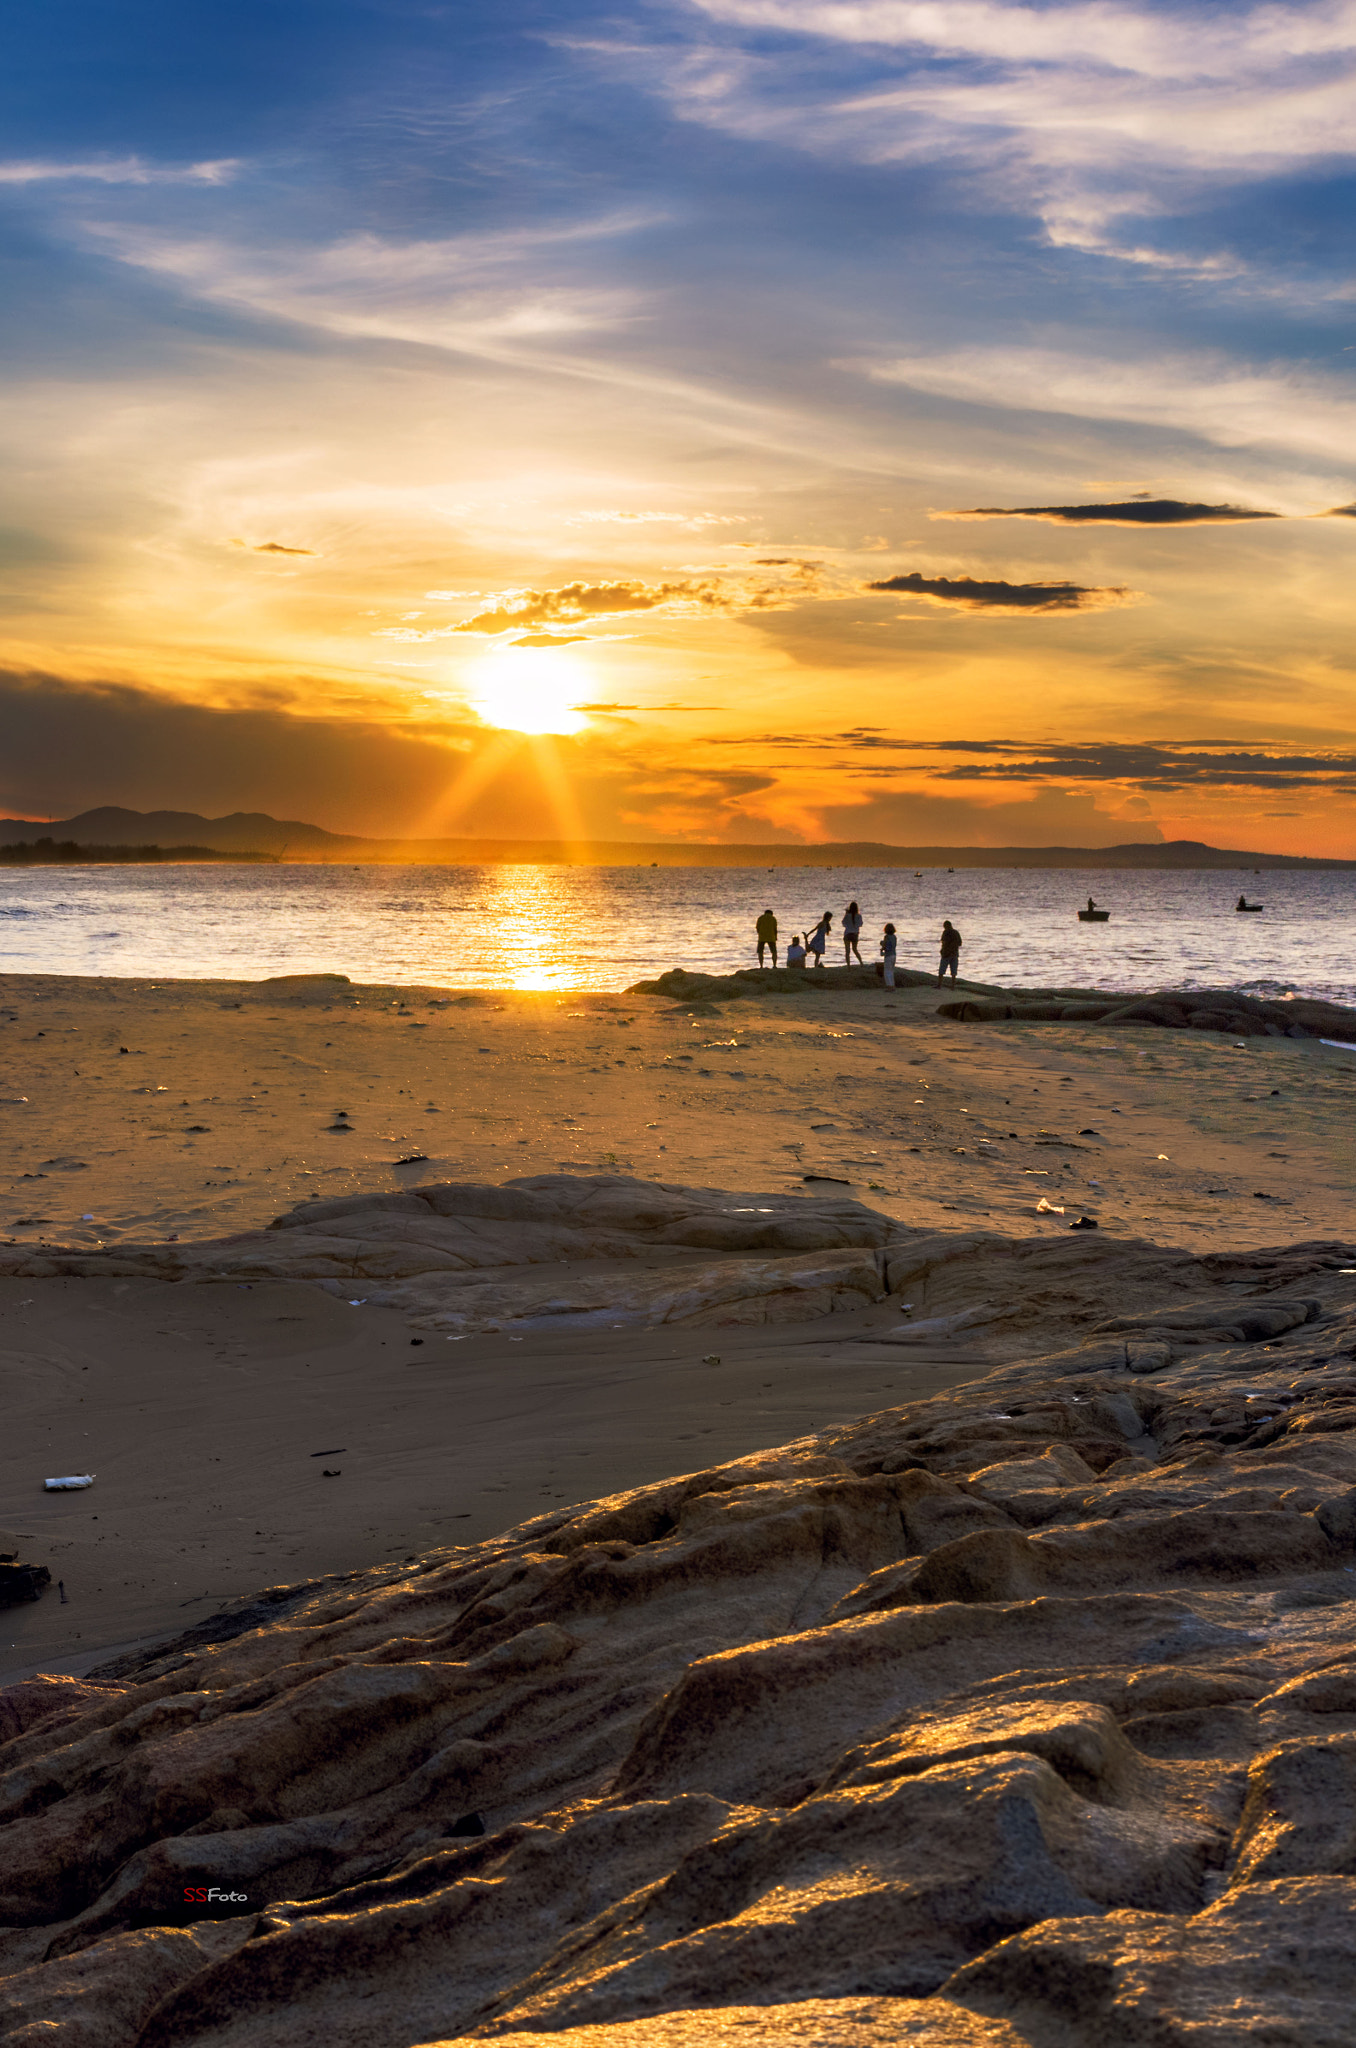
x=750, y=419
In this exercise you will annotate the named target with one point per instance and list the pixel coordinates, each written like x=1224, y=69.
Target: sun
x=530, y=689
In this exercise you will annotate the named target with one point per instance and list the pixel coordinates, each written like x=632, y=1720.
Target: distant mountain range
x=291, y=839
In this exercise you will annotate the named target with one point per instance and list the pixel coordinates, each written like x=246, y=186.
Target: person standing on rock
x=951, y=945
x=889, y=946
x=766, y=932
x=852, y=931
x=819, y=938
x=795, y=952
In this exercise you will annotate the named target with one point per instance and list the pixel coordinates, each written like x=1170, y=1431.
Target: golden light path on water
x=532, y=913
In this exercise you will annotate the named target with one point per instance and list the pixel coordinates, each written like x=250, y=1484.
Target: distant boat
x=1092, y=915
x=1243, y=904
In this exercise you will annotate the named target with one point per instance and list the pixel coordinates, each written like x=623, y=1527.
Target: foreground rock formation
x=1024, y=1717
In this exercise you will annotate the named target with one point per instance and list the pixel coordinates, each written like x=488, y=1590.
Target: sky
x=736, y=420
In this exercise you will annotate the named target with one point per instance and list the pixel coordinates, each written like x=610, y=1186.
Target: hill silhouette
x=294, y=839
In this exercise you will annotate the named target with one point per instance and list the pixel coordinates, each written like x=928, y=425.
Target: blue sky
x=456, y=373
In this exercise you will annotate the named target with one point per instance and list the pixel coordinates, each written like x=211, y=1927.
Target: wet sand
x=200, y=1405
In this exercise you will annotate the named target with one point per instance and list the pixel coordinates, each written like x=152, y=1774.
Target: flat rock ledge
x=1021, y=1717
x=978, y=1002
x=561, y=1252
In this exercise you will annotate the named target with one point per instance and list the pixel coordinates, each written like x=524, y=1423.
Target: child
x=795, y=952
x=888, y=947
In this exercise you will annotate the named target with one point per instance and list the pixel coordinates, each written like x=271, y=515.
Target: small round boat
x=1094, y=916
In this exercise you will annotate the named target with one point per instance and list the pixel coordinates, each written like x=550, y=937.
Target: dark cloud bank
x=1131, y=512
x=68, y=747
x=970, y=594
x=1142, y=764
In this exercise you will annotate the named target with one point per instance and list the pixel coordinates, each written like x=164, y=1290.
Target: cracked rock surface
x=1021, y=1717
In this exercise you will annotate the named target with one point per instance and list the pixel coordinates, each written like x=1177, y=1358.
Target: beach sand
x=139, y=1111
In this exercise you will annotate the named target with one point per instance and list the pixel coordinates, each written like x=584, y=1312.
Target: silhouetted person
x=951, y=945
x=795, y=952
x=766, y=930
x=819, y=938
x=852, y=931
x=888, y=947
x=1091, y=904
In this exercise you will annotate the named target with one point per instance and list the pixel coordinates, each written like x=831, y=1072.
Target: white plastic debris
x=1045, y=1208
x=71, y=1484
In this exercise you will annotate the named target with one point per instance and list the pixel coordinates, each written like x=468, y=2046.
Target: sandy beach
x=139, y=1113
x=183, y=1109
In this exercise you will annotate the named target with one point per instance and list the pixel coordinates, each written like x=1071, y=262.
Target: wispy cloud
x=1102, y=120
x=973, y=594
x=694, y=519
x=461, y=292
x=126, y=170
x=572, y=603
x=1132, y=512
x=1223, y=400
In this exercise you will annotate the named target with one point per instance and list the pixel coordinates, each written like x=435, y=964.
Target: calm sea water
x=601, y=928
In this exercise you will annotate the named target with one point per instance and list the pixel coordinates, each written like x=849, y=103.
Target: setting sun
x=530, y=689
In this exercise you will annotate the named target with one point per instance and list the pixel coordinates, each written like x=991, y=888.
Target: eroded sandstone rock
x=1024, y=1715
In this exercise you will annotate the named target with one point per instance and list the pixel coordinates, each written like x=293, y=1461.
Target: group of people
x=801, y=951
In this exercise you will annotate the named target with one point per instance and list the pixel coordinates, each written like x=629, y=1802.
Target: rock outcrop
x=563, y=1251
x=978, y=1002
x=1171, y=1009
x=1024, y=1716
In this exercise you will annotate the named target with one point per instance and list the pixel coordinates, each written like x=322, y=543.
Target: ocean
x=603, y=928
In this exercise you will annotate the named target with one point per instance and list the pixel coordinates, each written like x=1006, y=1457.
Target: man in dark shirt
x=766, y=930
x=951, y=945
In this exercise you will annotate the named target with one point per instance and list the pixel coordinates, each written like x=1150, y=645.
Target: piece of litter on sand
x=326, y=1473
x=359, y=1302
x=71, y=1484
x=1339, y=1044
x=337, y=1452
x=1084, y=1223
x=1046, y=1208
x=412, y=1159
x=711, y=1358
